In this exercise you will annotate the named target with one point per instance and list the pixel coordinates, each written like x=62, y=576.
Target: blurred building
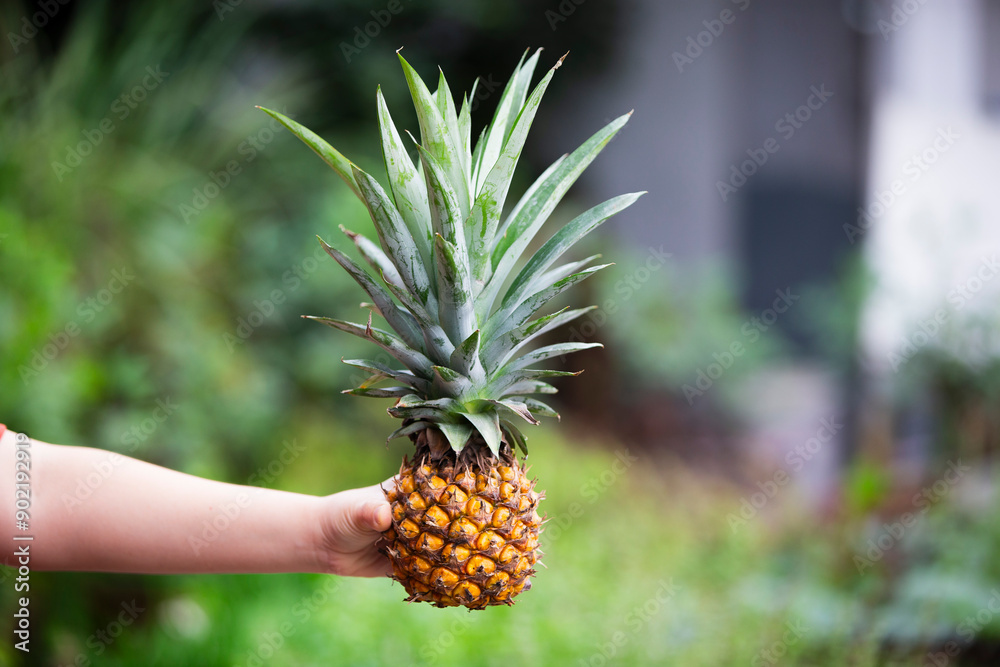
x=930, y=218
x=765, y=133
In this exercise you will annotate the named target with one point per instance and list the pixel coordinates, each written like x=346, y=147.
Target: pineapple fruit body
x=464, y=531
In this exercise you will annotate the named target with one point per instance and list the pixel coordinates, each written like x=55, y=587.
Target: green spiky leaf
x=515, y=437
x=550, y=352
x=399, y=246
x=412, y=406
x=465, y=359
x=329, y=154
x=376, y=368
x=409, y=429
x=563, y=271
x=444, y=254
x=401, y=321
x=379, y=392
x=501, y=348
x=412, y=359
x=375, y=257
x=435, y=134
x=484, y=218
x=510, y=378
x=451, y=383
x=517, y=408
x=511, y=316
x=408, y=191
x=530, y=387
x=528, y=217
x=456, y=311
x=488, y=425
x=561, y=241
x=503, y=117
x=538, y=408
x=446, y=218
x=457, y=434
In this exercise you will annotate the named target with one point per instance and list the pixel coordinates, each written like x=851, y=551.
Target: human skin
x=143, y=518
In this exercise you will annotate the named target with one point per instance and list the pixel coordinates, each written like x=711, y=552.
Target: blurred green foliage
x=198, y=249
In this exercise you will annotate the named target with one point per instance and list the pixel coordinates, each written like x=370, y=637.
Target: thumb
x=373, y=515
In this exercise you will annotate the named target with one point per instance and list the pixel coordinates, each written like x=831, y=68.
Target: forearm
x=99, y=511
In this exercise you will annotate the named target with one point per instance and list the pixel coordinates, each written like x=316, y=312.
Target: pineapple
x=465, y=524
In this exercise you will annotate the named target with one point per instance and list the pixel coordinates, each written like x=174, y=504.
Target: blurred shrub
x=158, y=244
x=677, y=329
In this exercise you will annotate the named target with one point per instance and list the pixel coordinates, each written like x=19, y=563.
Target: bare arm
x=139, y=517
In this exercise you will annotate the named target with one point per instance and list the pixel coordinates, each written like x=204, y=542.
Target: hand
x=351, y=524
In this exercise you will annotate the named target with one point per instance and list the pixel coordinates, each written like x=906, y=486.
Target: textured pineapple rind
x=463, y=535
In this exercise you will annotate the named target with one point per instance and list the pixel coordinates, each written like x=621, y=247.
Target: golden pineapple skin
x=463, y=534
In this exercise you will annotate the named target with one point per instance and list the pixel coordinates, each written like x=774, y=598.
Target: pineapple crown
x=460, y=314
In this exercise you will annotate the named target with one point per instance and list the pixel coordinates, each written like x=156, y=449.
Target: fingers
x=357, y=518
x=373, y=564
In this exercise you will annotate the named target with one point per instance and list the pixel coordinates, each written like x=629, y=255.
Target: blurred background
x=784, y=455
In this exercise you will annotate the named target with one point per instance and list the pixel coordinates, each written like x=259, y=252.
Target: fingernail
x=382, y=516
